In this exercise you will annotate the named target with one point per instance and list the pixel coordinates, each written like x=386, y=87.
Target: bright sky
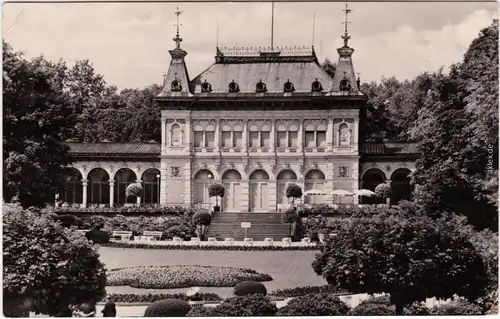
x=128, y=42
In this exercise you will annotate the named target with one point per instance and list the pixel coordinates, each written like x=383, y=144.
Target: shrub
x=456, y=308
x=98, y=236
x=289, y=216
x=202, y=218
x=315, y=305
x=46, y=266
x=383, y=190
x=372, y=309
x=416, y=309
x=168, y=308
x=166, y=277
x=134, y=189
x=294, y=191
x=249, y=288
x=251, y=305
x=302, y=291
x=214, y=247
x=201, y=311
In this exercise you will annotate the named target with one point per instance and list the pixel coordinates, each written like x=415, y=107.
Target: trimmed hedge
x=168, y=308
x=250, y=288
x=457, y=308
x=170, y=277
x=302, y=291
x=123, y=210
x=252, y=305
x=140, y=298
x=201, y=311
x=315, y=305
x=98, y=236
x=372, y=309
x=208, y=247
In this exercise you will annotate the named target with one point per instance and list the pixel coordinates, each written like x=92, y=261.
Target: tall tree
x=458, y=163
x=36, y=114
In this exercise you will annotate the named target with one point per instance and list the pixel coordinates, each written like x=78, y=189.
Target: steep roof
x=249, y=66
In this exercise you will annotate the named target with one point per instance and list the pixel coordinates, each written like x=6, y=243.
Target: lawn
x=289, y=269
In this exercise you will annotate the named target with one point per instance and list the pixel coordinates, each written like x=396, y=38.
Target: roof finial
x=346, y=35
x=177, y=38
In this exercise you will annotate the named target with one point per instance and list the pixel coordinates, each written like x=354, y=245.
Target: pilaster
x=329, y=135
x=356, y=135
x=245, y=137
x=271, y=196
x=187, y=184
x=300, y=139
x=163, y=134
x=355, y=180
x=244, y=203
x=217, y=136
x=273, y=135
x=163, y=183
x=188, y=141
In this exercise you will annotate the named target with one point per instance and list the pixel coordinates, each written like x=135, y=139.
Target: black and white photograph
x=250, y=159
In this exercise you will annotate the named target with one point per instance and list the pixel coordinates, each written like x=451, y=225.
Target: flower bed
x=146, y=298
x=302, y=291
x=169, y=277
x=208, y=247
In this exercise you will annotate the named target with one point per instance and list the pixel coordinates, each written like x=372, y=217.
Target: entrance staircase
x=263, y=225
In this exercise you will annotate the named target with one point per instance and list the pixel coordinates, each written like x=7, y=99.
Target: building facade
x=256, y=120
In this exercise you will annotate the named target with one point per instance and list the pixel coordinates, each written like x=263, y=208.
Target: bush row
x=140, y=298
x=170, y=277
x=211, y=247
x=171, y=226
x=123, y=210
x=301, y=291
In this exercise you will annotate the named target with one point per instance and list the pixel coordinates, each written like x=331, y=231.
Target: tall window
x=287, y=135
x=226, y=139
x=309, y=139
x=204, y=137
x=320, y=138
x=315, y=139
x=238, y=139
x=232, y=136
x=259, y=138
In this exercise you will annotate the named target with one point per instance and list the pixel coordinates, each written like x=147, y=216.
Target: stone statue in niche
x=176, y=135
x=344, y=138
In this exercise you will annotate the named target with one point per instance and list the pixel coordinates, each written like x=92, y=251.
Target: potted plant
x=384, y=191
x=216, y=190
x=134, y=190
x=294, y=191
x=201, y=220
x=291, y=217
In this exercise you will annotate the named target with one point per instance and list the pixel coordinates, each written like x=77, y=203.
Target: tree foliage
x=47, y=267
x=458, y=167
x=294, y=191
x=216, y=190
x=134, y=190
x=36, y=116
x=383, y=191
x=409, y=256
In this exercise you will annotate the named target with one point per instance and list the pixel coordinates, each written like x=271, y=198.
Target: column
x=245, y=137
x=272, y=190
x=187, y=184
x=217, y=136
x=84, y=192
x=300, y=139
x=111, y=192
x=138, y=197
x=163, y=135
x=329, y=135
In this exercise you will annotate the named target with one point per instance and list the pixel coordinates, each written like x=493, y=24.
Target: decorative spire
x=177, y=38
x=346, y=35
